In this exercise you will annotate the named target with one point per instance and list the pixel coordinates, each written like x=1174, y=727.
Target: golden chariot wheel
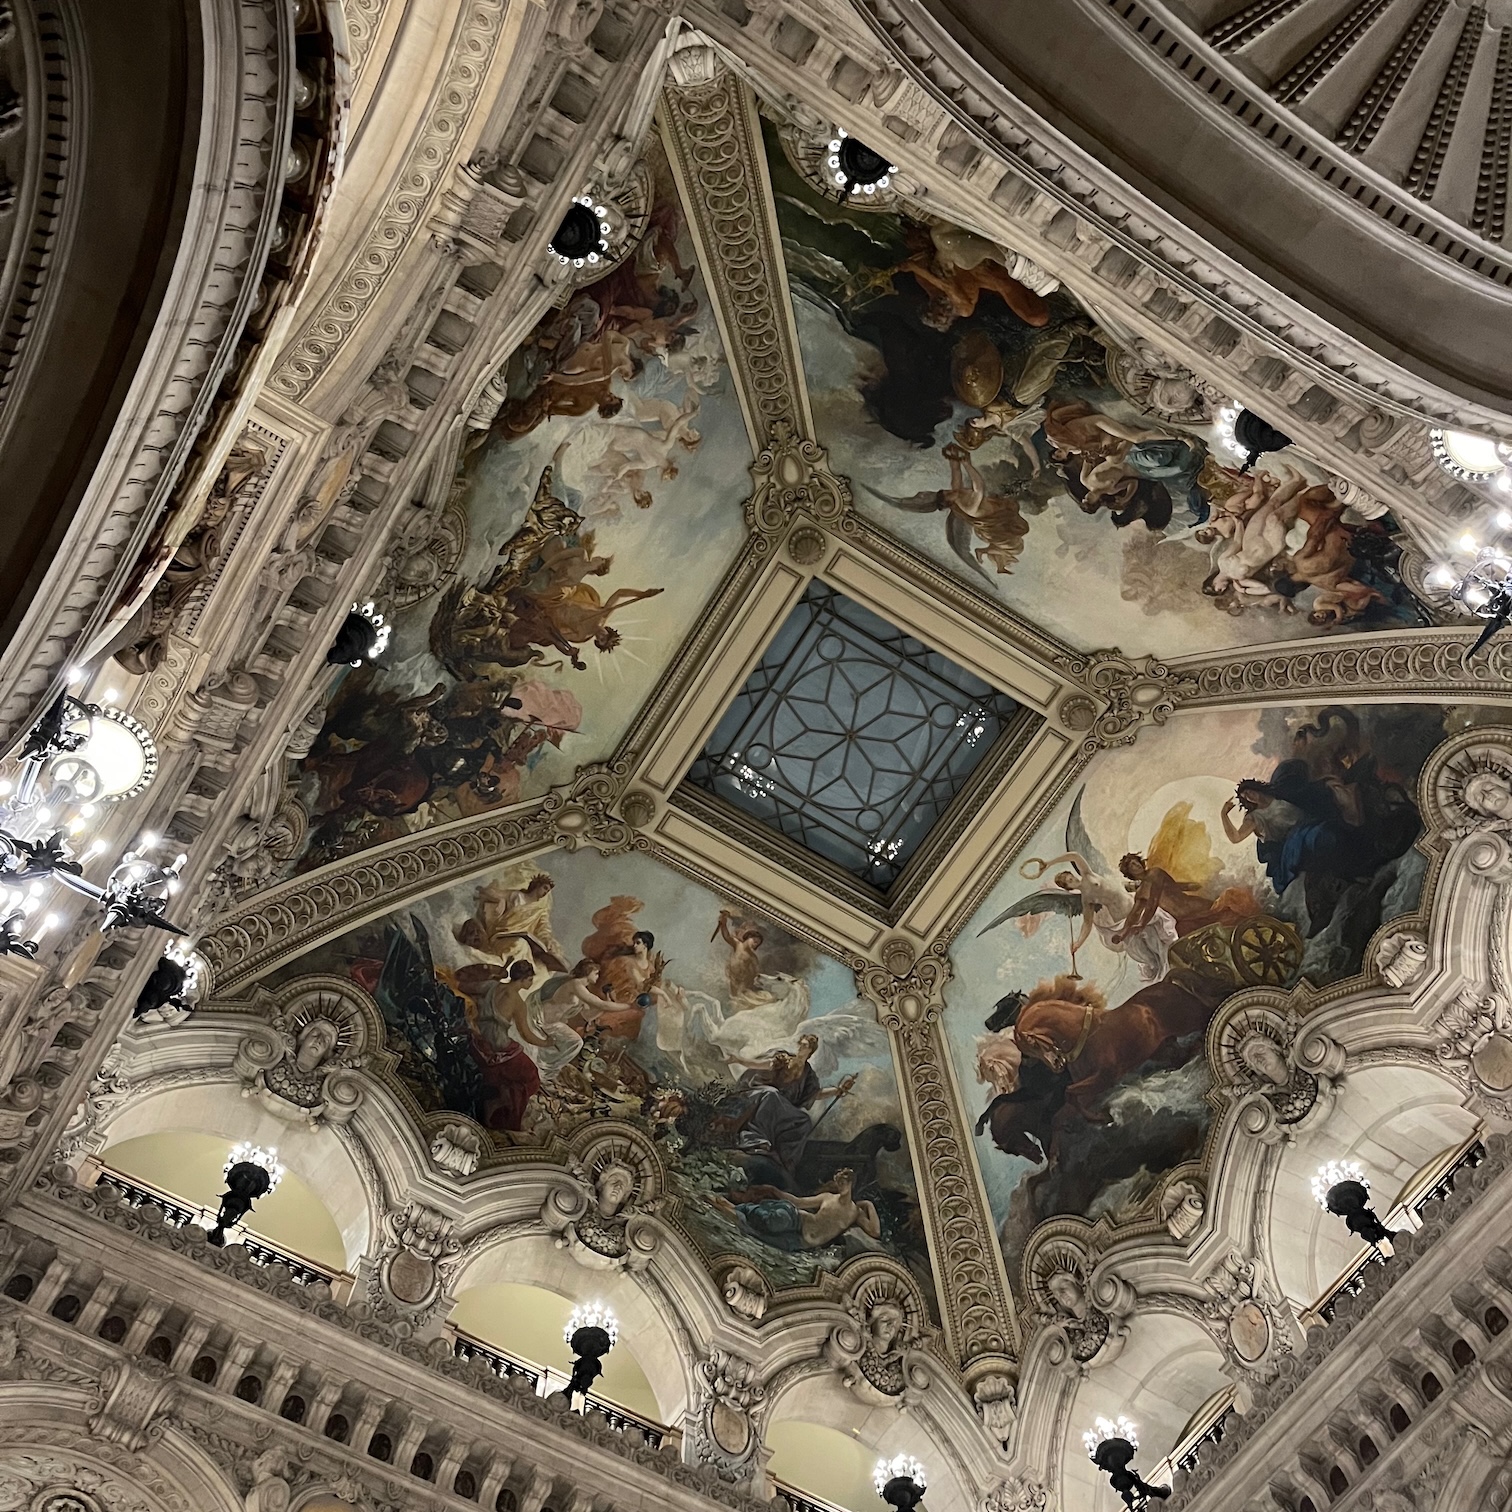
x=1266, y=952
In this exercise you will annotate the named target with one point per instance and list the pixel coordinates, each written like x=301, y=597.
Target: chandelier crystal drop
x=582, y=238
x=246, y=1153
x=855, y=167
x=1104, y=1429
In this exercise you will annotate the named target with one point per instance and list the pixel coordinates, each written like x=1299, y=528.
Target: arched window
x=1398, y=1418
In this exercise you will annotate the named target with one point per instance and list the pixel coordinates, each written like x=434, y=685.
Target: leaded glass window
x=851, y=738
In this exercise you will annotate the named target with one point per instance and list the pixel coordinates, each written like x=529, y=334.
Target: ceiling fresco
x=577, y=987
x=602, y=507
x=1226, y=850
x=1003, y=433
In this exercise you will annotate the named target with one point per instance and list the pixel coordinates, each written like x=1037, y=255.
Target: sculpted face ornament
x=317, y=1042
x=614, y=1188
x=1261, y=1055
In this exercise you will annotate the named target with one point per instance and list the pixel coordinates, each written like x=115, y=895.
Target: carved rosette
x=1137, y=691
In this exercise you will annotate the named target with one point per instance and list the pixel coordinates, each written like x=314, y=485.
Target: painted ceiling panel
x=1226, y=850
x=1004, y=434
x=599, y=511
x=553, y=993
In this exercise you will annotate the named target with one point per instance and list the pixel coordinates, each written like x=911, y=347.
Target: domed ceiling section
x=551, y=995
x=1352, y=154
x=590, y=521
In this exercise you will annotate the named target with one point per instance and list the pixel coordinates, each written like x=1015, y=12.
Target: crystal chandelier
x=76, y=761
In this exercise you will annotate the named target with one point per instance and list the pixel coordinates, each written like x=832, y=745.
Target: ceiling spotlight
x=900, y=1482
x=251, y=1172
x=855, y=166
x=1342, y=1188
x=1470, y=458
x=1111, y=1445
x=590, y=1334
x=363, y=636
x=583, y=236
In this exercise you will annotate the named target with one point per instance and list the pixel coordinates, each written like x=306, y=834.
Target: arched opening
x=1396, y=1121
x=822, y=1463
x=190, y=1167
x=527, y=1323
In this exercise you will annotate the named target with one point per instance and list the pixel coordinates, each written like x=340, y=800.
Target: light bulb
x=1331, y=1173
x=1467, y=542
x=148, y=840
x=112, y=694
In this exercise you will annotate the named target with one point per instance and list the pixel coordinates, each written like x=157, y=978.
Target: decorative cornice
x=456, y=97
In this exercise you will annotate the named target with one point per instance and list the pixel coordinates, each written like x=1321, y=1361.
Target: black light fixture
x=1111, y=1446
x=1342, y=1188
x=171, y=984
x=583, y=236
x=856, y=167
x=590, y=1334
x=1248, y=436
x=251, y=1172
x=900, y=1482
x=14, y=936
x=363, y=636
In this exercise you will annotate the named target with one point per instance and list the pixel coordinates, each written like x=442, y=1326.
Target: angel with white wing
x=1087, y=890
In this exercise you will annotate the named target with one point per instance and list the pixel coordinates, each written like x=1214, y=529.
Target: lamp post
x=590, y=1334
x=76, y=760
x=1111, y=1445
x=1342, y=1188
x=251, y=1172
x=900, y=1482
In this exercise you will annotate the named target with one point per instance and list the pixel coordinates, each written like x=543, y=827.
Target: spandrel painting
x=1222, y=851
x=577, y=987
x=989, y=421
x=598, y=512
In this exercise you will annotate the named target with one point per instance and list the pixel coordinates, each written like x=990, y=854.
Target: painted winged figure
x=1087, y=889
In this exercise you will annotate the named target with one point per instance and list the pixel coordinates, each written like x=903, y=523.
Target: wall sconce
x=1111, y=1445
x=251, y=1172
x=1342, y=1188
x=900, y=1482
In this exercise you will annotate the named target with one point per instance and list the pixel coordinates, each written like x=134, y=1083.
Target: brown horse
x=1068, y=1025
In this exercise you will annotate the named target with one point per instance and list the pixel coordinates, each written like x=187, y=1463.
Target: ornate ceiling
x=836, y=628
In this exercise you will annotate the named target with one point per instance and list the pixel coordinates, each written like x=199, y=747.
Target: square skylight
x=851, y=738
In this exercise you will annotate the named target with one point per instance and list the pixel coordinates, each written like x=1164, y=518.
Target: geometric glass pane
x=851, y=738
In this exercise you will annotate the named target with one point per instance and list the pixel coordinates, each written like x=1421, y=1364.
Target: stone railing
x=108, y=1285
